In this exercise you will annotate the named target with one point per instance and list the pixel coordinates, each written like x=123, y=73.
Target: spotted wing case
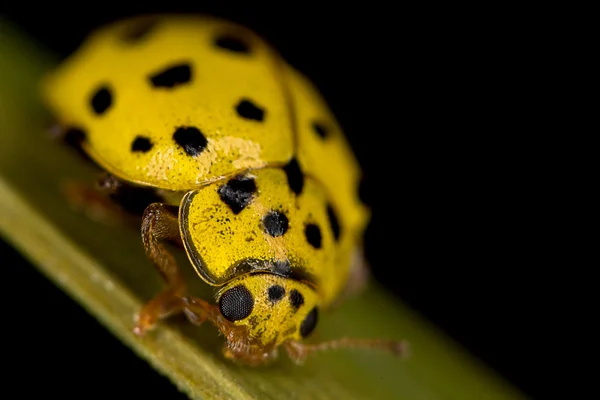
x=174, y=102
x=324, y=153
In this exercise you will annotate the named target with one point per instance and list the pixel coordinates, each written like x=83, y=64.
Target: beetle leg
x=240, y=347
x=358, y=278
x=298, y=351
x=360, y=273
x=198, y=310
x=159, y=223
x=96, y=203
x=111, y=201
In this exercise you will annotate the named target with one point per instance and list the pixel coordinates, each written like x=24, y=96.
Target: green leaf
x=105, y=270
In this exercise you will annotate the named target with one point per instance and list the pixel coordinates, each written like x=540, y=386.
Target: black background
x=425, y=97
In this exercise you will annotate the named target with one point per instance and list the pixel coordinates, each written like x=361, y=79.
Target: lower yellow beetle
x=246, y=167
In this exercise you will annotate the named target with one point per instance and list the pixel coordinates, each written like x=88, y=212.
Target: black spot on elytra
x=141, y=144
x=320, y=129
x=310, y=322
x=172, y=76
x=101, y=100
x=295, y=176
x=296, y=299
x=249, y=110
x=232, y=43
x=139, y=30
x=191, y=139
x=237, y=193
x=276, y=293
x=275, y=223
x=313, y=235
x=333, y=222
x=236, y=303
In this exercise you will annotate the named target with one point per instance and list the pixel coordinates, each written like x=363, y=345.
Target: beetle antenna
x=298, y=351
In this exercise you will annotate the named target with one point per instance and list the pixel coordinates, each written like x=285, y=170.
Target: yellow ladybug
x=246, y=167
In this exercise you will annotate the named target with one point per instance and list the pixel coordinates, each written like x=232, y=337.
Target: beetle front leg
x=159, y=223
x=240, y=347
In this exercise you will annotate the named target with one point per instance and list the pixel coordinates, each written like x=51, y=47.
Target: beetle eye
x=309, y=323
x=236, y=303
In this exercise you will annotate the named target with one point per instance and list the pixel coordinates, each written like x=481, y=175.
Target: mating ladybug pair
x=246, y=167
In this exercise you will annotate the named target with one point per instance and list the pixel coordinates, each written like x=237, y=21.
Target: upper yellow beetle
x=248, y=169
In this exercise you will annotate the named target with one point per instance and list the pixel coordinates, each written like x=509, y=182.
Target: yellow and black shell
x=180, y=102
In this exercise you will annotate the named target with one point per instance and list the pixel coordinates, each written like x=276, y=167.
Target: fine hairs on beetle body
x=221, y=148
